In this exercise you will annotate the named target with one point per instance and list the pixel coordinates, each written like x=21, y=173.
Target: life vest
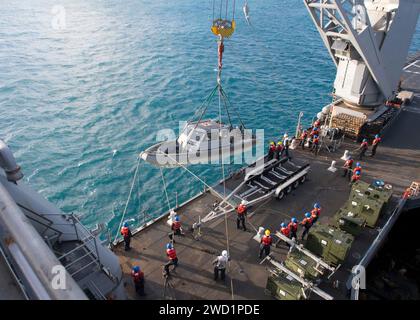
x=316, y=141
x=293, y=226
x=364, y=145
x=304, y=135
x=266, y=240
x=357, y=169
x=376, y=141
x=355, y=177
x=307, y=222
x=348, y=163
x=137, y=276
x=316, y=212
x=272, y=148
x=176, y=225
x=125, y=232
x=171, y=253
x=285, y=231
x=241, y=210
x=279, y=147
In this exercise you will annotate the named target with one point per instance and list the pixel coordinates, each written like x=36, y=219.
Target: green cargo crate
x=366, y=208
x=376, y=191
x=344, y=220
x=330, y=243
x=284, y=287
x=302, y=265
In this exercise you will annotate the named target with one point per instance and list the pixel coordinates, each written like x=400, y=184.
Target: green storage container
x=376, y=191
x=344, y=220
x=330, y=243
x=284, y=287
x=302, y=265
x=366, y=207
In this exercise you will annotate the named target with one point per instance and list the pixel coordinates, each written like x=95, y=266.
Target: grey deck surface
x=397, y=162
x=9, y=290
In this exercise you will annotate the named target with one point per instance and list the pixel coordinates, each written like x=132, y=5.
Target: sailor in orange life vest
x=176, y=229
x=355, y=177
x=285, y=230
x=363, y=148
x=307, y=224
x=138, y=279
x=293, y=227
x=172, y=257
x=315, y=144
x=271, y=150
x=265, y=245
x=241, y=211
x=126, y=233
x=303, y=138
x=375, y=144
x=347, y=167
x=316, y=212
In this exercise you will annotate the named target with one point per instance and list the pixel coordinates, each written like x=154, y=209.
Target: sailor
x=357, y=168
x=407, y=193
x=220, y=265
x=172, y=257
x=265, y=245
x=363, y=148
x=317, y=123
x=316, y=212
x=293, y=227
x=314, y=132
x=355, y=177
x=375, y=144
x=176, y=229
x=315, y=144
x=347, y=167
x=241, y=211
x=285, y=230
x=138, y=279
x=126, y=233
x=279, y=150
x=303, y=137
x=271, y=150
x=286, y=144
x=307, y=224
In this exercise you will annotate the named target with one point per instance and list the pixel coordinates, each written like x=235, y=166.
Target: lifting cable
x=164, y=187
x=128, y=200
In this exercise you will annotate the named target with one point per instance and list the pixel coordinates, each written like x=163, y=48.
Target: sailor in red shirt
x=307, y=224
x=303, y=138
x=271, y=150
x=348, y=166
x=293, y=226
x=316, y=212
x=265, y=245
x=172, y=257
x=375, y=144
x=355, y=177
x=362, y=149
x=315, y=144
x=176, y=229
x=279, y=150
x=126, y=233
x=138, y=278
x=357, y=168
x=241, y=211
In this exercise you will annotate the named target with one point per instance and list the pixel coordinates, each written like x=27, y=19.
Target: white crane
x=368, y=41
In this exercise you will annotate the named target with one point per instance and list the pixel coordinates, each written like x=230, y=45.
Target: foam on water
x=79, y=104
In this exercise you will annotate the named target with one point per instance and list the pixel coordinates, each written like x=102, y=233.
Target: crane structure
x=368, y=41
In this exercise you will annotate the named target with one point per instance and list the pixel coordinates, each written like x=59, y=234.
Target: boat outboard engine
x=8, y=163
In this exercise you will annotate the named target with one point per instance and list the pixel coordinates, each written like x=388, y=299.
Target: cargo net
x=350, y=125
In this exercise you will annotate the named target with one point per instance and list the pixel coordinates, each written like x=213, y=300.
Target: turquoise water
x=78, y=104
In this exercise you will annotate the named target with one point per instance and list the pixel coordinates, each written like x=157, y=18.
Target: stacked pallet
x=349, y=124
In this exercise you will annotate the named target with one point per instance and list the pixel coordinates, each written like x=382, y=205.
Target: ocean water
x=78, y=104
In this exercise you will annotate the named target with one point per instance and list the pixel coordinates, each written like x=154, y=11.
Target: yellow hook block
x=224, y=28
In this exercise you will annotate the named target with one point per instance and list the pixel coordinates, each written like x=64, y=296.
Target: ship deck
x=397, y=162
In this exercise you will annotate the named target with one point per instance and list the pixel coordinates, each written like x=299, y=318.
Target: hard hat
x=224, y=253
x=172, y=212
x=316, y=128
x=285, y=135
x=244, y=202
x=267, y=232
x=357, y=172
x=315, y=136
x=307, y=215
x=376, y=136
x=358, y=164
x=176, y=218
x=364, y=140
x=126, y=224
x=280, y=143
x=136, y=268
x=316, y=205
x=294, y=220
x=272, y=142
x=283, y=225
x=169, y=246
